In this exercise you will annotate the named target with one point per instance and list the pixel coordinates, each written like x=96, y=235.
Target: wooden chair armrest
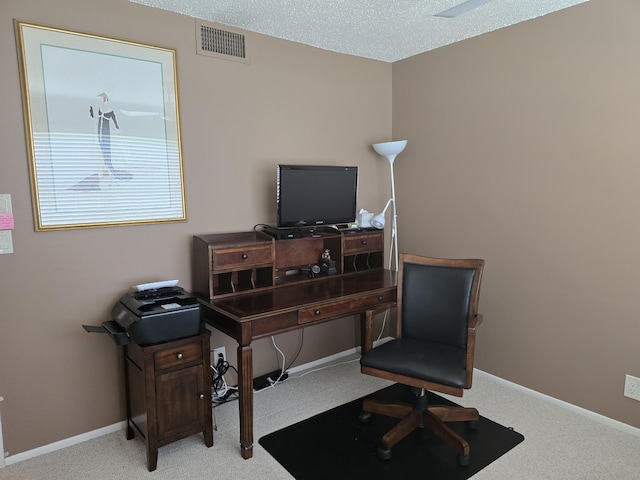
x=383, y=307
x=476, y=321
x=367, y=324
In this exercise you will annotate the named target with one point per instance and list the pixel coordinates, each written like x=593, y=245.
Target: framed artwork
x=103, y=129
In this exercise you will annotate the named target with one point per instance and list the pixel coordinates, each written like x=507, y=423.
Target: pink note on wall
x=6, y=221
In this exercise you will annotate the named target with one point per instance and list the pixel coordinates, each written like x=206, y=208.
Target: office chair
x=433, y=348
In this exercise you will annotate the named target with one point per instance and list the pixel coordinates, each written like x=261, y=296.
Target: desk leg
x=366, y=331
x=245, y=398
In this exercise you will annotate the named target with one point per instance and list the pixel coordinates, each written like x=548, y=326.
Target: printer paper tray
x=112, y=328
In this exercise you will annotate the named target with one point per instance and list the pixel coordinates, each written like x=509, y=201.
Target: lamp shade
x=390, y=148
x=378, y=221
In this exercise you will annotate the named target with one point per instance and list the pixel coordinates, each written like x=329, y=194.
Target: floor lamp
x=391, y=151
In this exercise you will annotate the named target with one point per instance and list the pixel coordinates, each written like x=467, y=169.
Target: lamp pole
x=394, y=225
x=391, y=151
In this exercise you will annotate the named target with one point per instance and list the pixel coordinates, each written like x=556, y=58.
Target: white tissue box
x=364, y=219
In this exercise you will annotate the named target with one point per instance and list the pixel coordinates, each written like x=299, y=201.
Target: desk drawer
x=343, y=308
x=241, y=257
x=180, y=355
x=363, y=243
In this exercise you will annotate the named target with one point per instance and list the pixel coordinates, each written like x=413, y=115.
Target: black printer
x=152, y=316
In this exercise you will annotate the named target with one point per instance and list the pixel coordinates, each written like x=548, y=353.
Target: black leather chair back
x=436, y=302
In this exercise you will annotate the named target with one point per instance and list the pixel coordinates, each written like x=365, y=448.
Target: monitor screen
x=309, y=195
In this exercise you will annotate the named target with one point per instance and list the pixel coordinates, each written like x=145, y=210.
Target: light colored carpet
x=560, y=443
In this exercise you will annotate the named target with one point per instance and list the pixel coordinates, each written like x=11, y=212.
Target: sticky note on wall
x=6, y=221
x=6, y=224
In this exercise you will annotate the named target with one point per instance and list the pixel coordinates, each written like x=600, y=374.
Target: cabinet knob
x=317, y=312
x=245, y=256
x=179, y=356
x=380, y=298
x=363, y=242
x=202, y=396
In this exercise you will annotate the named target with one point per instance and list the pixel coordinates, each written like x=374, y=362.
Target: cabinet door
x=180, y=402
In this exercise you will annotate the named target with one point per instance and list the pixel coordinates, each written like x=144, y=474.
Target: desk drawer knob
x=380, y=298
x=179, y=356
x=317, y=312
x=245, y=256
x=364, y=242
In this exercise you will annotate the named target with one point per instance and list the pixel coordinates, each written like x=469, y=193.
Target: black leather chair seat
x=433, y=362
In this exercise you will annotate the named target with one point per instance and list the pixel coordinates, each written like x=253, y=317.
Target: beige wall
x=524, y=150
x=291, y=104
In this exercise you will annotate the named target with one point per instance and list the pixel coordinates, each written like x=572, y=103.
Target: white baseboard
x=307, y=366
x=67, y=442
x=561, y=403
x=322, y=361
x=2, y=460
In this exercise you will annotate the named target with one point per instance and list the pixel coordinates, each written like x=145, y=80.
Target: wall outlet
x=632, y=387
x=217, y=352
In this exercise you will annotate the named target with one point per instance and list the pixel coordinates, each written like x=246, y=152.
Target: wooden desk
x=262, y=313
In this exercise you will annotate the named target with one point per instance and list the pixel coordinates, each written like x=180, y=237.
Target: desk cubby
x=363, y=251
x=226, y=264
x=231, y=263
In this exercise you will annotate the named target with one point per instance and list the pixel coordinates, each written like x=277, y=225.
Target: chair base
x=420, y=415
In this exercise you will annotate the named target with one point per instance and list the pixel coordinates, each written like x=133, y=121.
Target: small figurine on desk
x=327, y=265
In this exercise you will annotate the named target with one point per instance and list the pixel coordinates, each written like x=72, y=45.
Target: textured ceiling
x=387, y=30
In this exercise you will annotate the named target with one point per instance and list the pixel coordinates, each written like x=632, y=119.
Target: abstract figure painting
x=104, y=116
x=103, y=129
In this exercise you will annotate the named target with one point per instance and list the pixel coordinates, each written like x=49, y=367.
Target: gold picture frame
x=103, y=129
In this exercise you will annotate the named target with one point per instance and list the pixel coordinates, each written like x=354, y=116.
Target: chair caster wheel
x=472, y=425
x=463, y=460
x=365, y=417
x=384, y=454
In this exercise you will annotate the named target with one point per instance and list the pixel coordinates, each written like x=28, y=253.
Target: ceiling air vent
x=220, y=41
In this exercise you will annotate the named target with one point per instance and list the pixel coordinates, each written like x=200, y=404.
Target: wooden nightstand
x=168, y=392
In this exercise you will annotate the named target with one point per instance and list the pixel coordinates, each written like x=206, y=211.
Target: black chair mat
x=336, y=445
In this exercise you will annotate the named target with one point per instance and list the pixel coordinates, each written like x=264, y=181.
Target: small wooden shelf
x=228, y=264
x=231, y=263
x=363, y=252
